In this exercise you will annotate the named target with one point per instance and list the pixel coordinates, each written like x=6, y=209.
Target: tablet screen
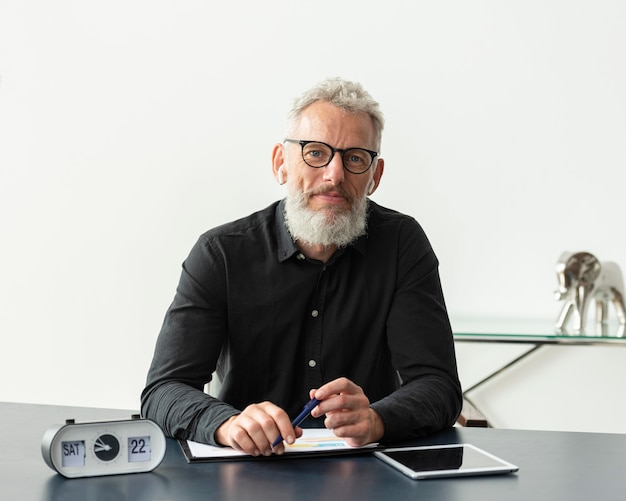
x=444, y=461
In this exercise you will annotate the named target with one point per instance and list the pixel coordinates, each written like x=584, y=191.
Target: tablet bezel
x=502, y=466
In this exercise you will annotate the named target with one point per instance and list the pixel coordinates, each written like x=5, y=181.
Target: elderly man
x=324, y=294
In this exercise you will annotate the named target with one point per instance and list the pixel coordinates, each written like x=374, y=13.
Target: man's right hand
x=255, y=429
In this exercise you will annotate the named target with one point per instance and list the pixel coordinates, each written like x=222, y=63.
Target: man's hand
x=348, y=412
x=255, y=429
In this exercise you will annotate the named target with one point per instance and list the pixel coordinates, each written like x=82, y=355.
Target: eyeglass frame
x=303, y=143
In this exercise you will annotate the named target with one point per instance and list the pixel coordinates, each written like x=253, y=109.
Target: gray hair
x=349, y=96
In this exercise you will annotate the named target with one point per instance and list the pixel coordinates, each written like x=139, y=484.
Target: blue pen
x=301, y=417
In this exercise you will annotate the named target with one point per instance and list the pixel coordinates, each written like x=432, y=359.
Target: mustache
x=328, y=189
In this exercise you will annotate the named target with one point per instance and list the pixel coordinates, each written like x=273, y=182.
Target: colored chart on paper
x=318, y=442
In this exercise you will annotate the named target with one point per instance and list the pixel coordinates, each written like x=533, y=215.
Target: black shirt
x=275, y=324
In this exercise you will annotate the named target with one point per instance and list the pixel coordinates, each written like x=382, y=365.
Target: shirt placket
x=315, y=324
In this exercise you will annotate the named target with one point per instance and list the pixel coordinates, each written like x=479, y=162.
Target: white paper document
x=312, y=441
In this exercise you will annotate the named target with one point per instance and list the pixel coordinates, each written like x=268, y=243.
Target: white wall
x=574, y=387
x=127, y=128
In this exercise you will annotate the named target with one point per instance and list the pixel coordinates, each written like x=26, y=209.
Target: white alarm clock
x=103, y=448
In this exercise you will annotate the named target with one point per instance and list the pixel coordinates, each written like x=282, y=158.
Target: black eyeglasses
x=317, y=154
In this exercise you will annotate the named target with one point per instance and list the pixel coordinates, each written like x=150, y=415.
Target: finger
x=345, y=417
x=270, y=426
x=274, y=423
x=257, y=428
x=287, y=431
x=367, y=426
x=334, y=387
x=240, y=438
x=350, y=426
x=343, y=403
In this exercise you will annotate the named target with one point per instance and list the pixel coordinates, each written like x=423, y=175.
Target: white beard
x=326, y=227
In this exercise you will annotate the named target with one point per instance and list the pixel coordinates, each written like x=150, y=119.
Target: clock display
x=73, y=453
x=139, y=449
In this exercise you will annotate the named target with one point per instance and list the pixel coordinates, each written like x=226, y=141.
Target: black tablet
x=450, y=460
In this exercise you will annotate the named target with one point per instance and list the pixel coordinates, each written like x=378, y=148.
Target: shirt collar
x=287, y=247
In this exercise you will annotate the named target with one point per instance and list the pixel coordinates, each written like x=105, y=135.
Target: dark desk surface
x=553, y=466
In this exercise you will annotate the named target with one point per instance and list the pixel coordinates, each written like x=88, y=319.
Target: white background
x=128, y=128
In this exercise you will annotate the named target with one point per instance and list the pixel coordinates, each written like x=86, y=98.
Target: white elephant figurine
x=582, y=278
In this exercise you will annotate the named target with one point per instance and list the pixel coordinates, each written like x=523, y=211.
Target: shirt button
x=300, y=256
x=315, y=313
x=312, y=363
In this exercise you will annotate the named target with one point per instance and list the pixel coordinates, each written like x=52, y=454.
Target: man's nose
x=334, y=171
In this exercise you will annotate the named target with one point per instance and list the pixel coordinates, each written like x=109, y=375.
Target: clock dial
x=106, y=447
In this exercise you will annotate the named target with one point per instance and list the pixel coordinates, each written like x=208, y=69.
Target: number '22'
x=137, y=446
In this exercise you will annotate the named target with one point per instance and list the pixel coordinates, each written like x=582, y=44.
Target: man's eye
x=316, y=154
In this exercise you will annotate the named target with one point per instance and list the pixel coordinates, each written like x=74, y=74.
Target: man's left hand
x=348, y=412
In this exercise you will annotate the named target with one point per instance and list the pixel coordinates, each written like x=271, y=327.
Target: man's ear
x=378, y=173
x=278, y=163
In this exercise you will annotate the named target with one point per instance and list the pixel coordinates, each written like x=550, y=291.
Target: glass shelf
x=533, y=331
